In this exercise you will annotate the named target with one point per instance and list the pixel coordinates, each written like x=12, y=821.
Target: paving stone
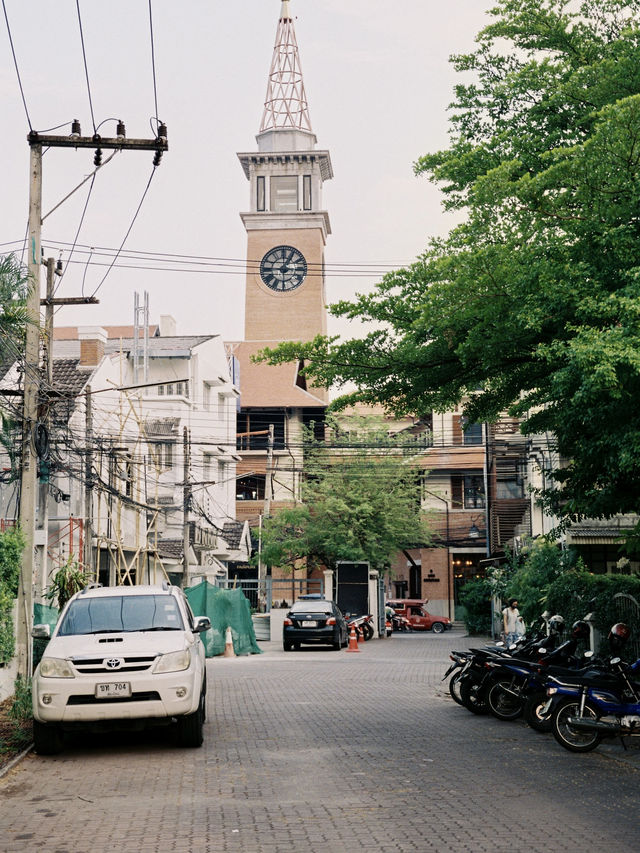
x=320, y=750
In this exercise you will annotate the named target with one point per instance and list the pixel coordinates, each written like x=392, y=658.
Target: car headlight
x=55, y=668
x=173, y=662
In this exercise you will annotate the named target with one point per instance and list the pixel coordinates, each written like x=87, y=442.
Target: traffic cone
x=360, y=635
x=353, y=641
x=228, y=644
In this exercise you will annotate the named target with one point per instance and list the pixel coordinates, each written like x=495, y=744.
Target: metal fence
x=628, y=611
x=272, y=592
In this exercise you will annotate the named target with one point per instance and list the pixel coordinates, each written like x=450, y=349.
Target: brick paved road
x=321, y=751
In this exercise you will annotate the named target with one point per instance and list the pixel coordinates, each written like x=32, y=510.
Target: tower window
x=284, y=193
x=260, y=194
x=306, y=192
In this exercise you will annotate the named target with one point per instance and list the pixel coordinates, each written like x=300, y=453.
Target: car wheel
x=287, y=646
x=47, y=738
x=437, y=627
x=189, y=728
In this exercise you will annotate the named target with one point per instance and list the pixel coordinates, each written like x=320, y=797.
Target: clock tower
x=286, y=226
x=284, y=298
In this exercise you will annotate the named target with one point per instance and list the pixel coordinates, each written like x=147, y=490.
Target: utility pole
x=29, y=463
x=268, y=480
x=88, y=482
x=186, y=500
x=32, y=376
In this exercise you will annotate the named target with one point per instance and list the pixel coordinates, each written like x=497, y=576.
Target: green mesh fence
x=42, y=615
x=224, y=607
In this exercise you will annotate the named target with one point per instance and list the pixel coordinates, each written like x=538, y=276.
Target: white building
x=156, y=430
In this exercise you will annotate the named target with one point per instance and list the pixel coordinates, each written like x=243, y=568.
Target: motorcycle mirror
x=614, y=660
x=542, y=651
x=499, y=643
x=512, y=646
x=588, y=654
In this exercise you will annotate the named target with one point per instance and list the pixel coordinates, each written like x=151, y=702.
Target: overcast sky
x=378, y=82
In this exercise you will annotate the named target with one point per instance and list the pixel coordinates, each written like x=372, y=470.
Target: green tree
x=13, y=319
x=532, y=304
x=360, y=502
x=13, y=313
x=539, y=564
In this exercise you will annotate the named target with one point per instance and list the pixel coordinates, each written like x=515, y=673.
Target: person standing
x=511, y=621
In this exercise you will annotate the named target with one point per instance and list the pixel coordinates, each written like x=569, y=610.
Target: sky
x=378, y=82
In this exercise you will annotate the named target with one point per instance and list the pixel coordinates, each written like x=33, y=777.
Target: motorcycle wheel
x=575, y=740
x=531, y=712
x=471, y=696
x=454, y=687
x=501, y=701
x=367, y=631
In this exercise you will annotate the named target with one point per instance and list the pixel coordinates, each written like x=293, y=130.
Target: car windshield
x=311, y=607
x=113, y=614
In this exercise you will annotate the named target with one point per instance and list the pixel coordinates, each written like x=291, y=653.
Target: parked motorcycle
x=479, y=673
x=518, y=687
x=362, y=623
x=461, y=662
x=585, y=710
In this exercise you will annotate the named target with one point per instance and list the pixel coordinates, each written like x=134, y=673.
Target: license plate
x=114, y=689
x=309, y=624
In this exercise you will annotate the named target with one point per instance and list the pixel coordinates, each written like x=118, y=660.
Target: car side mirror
x=202, y=623
x=41, y=632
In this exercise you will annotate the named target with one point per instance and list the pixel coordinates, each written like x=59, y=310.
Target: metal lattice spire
x=285, y=105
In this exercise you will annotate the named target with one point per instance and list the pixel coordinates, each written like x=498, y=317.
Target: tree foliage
x=11, y=545
x=13, y=314
x=532, y=304
x=68, y=580
x=360, y=502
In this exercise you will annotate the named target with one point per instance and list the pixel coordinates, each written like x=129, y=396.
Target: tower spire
x=285, y=104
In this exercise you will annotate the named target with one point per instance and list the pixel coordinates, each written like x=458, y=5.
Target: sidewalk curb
x=18, y=758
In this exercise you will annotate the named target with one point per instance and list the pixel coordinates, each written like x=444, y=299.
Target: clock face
x=283, y=268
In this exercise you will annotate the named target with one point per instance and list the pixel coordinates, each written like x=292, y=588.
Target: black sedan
x=314, y=621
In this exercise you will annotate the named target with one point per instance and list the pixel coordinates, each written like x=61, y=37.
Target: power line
x=239, y=264
x=135, y=216
x=153, y=63
x=86, y=70
x=15, y=62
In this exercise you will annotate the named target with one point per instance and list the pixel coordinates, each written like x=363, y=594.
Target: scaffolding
x=122, y=502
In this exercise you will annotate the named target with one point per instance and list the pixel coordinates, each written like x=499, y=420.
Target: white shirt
x=512, y=615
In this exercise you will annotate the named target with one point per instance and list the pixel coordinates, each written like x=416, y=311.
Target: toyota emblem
x=113, y=663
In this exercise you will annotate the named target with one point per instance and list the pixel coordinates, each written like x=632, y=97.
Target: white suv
x=120, y=657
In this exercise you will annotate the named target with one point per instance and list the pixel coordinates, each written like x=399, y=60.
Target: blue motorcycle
x=583, y=711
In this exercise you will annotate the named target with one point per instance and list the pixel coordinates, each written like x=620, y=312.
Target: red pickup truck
x=415, y=610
